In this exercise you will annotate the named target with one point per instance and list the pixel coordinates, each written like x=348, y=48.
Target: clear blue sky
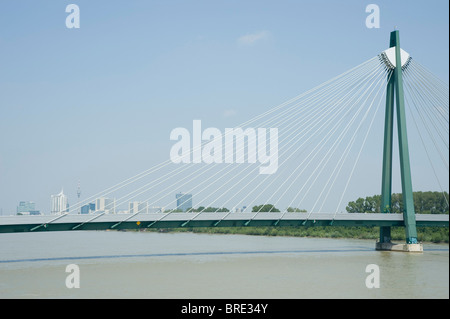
x=97, y=104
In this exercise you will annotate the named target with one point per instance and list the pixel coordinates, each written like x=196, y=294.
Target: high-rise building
x=138, y=207
x=107, y=205
x=78, y=195
x=60, y=203
x=27, y=207
x=88, y=208
x=184, y=201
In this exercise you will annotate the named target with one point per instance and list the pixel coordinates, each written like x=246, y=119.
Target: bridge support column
x=386, y=182
x=395, y=88
x=411, y=248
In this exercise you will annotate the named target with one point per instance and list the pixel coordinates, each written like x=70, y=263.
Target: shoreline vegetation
x=424, y=203
x=437, y=235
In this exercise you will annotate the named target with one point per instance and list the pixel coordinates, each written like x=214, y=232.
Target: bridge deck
x=173, y=220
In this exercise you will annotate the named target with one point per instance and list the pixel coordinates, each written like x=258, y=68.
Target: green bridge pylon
x=395, y=92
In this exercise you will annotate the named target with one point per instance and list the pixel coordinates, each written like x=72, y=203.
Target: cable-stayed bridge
x=321, y=136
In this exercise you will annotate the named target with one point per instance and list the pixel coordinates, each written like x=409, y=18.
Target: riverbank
x=425, y=234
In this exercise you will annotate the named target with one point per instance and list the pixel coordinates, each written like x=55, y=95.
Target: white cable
x=427, y=153
x=181, y=171
x=333, y=147
x=254, y=189
x=370, y=84
x=357, y=159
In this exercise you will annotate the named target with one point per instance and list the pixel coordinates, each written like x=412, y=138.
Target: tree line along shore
x=425, y=234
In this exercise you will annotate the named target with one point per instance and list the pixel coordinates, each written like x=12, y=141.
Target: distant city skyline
x=60, y=204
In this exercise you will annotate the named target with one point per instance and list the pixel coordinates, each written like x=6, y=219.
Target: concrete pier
x=411, y=248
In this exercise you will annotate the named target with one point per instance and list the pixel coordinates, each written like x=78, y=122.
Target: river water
x=189, y=266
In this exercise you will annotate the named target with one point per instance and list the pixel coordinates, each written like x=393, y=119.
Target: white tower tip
x=388, y=57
